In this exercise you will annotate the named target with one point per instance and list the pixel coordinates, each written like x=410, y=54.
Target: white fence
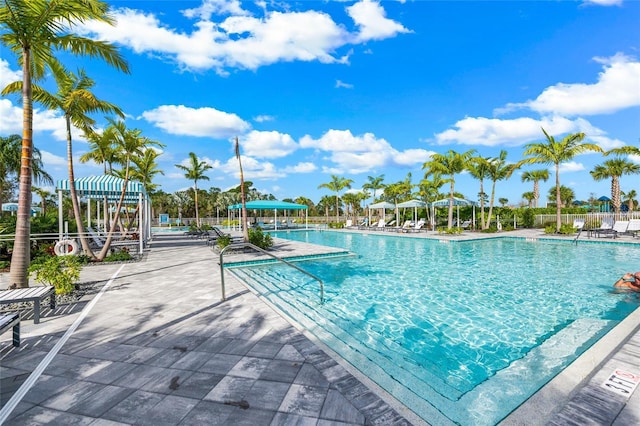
x=591, y=220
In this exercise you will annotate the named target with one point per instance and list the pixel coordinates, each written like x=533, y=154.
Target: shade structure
x=110, y=188
x=457, y=202
x=269, y=205
x=274, y=205
x=415, y=204
x=382, y=205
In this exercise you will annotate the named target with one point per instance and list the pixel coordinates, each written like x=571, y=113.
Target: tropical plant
x=535, y=176
x=34, y=31
x=613, y=169
x=243, y=198
x=529, y=196
x=62, y=272
x=478, y=167
x=451, y=164
x=629, y=197
x=566, y=196
x=498, y=170
x=75, y=99
x=556, y=152
x=336, y=185
x=195, y=171
x=503, y=201
x=374, y=184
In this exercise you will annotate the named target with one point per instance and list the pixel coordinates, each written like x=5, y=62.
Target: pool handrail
x=243, y=244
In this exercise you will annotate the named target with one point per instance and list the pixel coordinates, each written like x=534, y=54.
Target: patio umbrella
x=415, y=204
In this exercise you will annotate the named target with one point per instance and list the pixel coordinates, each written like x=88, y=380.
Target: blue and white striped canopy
x=106, y=185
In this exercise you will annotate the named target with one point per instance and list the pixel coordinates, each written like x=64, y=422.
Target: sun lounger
x=634, y=227
x=619, y=227
x=605, y=225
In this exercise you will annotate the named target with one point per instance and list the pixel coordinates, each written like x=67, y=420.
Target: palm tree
x=10, y=152
x=195, y=171
x=498, y=170
x=35, y=31
x=535, y=176
x=566, y=195
x=614, y=169
x=374, y=184
x=75, y=99
x=529, y=196
x=450, y=164
x=243, y=197
x=478, y=167
x=429, y=190
x=556, y=152
x=44, y=197
x=629, y=197
x=324, y=204
x=503, y=201
x=336, y=185
x=128, y=143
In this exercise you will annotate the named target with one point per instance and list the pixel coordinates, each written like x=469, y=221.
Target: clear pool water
x=462, y=332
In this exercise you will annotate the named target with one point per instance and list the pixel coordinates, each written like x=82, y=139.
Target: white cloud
x=241, y=40
x=263, y=118
x=603, y=2
x=267, y=144
x=213, y=163
x=570, y=166
x=514, y=132
x=304, y=167
x=7, y=75
x=359, y=154
x=52, y=160
x=340, y=84
x=203, y=122
x=11, y=122
x=635, y=158
x=252, y=169
x=617, y=88
x=371, y=19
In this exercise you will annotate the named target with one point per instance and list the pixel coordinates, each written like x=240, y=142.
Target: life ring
x=66, y=248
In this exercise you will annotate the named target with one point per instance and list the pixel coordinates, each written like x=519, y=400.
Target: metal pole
x=59, y=215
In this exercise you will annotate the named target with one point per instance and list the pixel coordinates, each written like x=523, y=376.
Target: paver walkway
x=158, y=347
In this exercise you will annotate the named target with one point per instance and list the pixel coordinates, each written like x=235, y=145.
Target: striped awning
x=106, y=185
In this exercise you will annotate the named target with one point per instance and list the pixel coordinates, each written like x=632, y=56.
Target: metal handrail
x=245, y=244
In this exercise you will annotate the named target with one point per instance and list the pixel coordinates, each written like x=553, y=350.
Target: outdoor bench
x=11, y=320
x=31, y=294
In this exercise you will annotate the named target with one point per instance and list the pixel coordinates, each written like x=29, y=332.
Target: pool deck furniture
x=30, y=294
x=634, y=227
x=619, y=227
x=11, y=320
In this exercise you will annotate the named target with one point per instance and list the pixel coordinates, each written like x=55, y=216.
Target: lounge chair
x=619, y=227
x=578, y=224
x=348, y=224
x=634, y=227
x=404, y=228
x=466, y=224
x=605, y=225
x=419, y=225
x=380, y=225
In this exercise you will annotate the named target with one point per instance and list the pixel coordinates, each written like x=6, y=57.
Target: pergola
x=274, y=205
x=110, y=188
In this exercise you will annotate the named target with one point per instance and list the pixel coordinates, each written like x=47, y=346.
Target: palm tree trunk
x=74, y=197
x=21, y=256
x=536, y=191
x=493, y=191
x=195, y=196
x=558, y=208
x=450, y=217
x=615, y=196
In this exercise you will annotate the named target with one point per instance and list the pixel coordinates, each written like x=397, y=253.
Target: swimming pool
x=461, y=332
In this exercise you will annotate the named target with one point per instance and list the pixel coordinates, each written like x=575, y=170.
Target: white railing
x=591, y=220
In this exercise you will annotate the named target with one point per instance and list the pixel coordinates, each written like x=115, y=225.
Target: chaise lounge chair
x=619, y=227
x=634, y=227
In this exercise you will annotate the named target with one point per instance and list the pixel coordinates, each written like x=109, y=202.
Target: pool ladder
x=577, y=236
x=253, y=246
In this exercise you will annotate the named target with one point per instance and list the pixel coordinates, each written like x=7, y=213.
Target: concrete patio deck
x=155, y=345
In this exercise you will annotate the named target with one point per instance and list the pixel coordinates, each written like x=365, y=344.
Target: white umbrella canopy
x=415, y=204
x=456, y=202
x=380, y=205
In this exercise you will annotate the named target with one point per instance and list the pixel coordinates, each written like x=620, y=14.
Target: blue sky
x=359, y=89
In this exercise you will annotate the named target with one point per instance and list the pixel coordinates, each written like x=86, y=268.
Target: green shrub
x=528, y=218
x=490, y=230
x=567, y=229
x=4, y=264
x=550, y=229
x=119, y=256
x=260, y=239
x=62, y=272
x=223, y=241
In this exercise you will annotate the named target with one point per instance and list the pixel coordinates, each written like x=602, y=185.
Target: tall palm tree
x=44, y=197
x=143, y=169
x=76, y=100
x=336, y=185
x=478, y=167
x=243, y=196
x=498, y=170
x=535, y=176
x=556, y=152
x=429, y=191
x=614, y=169
x=35, y=31
x=195, y=171
x=566, y=195
x=449, y=164
x=128, y=143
